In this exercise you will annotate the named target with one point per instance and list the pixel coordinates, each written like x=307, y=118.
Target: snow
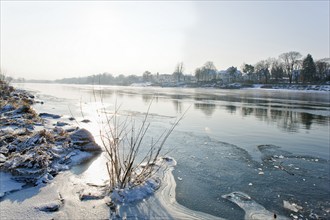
x=62, y=199
x=7, y=184
x=252, y=209
x=162, y=204
x=291, y=206
x=144, y=84
x=293, y=87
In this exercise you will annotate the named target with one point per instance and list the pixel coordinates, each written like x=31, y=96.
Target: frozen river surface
x=272, y=145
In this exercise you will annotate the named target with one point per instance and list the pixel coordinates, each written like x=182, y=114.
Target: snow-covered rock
x=84, y=140
x=48, y=115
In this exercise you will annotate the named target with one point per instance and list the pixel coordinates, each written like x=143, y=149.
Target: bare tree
x=322, y=68
x=262, y=70
x=147, y=76
x=276, y=69
x=296, y=70
x=198, y=74
x=290, y=59
x=209, y=71
x=178, y=72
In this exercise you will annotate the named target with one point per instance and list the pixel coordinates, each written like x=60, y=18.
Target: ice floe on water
x=252, y=209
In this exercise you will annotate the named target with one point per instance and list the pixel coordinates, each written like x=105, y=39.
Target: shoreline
x=69, y=196
x=35, y=147
x=162, y=204
x=55, y=190
x=233, y=86
x=65, y=191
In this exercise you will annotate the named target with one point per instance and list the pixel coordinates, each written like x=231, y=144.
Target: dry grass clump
x=14, y=103
x=123, y=139
x=5, y=88
x=46, y=136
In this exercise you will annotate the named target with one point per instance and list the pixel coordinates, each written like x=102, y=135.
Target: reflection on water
x=288, y=115
x=231, y=108
x=288, y=109
x=285, y=119
x=147, y=97
x=207, y=108
x=178, y=106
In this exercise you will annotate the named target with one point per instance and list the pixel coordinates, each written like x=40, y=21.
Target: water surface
x=224, y=141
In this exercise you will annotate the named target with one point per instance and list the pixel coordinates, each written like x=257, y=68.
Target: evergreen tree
x=249, y=70
x=232, y=73
x=308, y=71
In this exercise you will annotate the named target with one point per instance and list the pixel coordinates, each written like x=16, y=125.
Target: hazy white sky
x=57, y=39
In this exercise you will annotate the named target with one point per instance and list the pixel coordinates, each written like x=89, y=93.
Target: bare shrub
x=123, y=139
x=5, y=88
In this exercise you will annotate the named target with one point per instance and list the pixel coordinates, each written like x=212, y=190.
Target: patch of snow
x=79, y=157
x=144, y=84
x=253, y=210
x=291, y=206
x=7, y=184
x=148, y=201
x=136, y=193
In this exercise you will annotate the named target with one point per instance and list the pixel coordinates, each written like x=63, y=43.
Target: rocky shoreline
x=36, y=147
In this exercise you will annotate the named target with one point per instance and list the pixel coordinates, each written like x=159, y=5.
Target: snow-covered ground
x=71, y=196
x=325, y=88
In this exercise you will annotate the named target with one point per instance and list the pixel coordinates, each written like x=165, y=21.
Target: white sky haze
x=57, y=39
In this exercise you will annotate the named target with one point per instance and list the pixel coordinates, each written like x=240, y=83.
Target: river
x=270, y=144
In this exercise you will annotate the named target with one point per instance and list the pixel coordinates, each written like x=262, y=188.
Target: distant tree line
x=102, y=79
x=289, y=67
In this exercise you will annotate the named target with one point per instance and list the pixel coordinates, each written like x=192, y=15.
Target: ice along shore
x=37, y=151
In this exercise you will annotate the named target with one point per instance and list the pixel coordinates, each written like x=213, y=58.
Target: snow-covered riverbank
x=70, y=196
x=297, y=87
x=36, y=147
